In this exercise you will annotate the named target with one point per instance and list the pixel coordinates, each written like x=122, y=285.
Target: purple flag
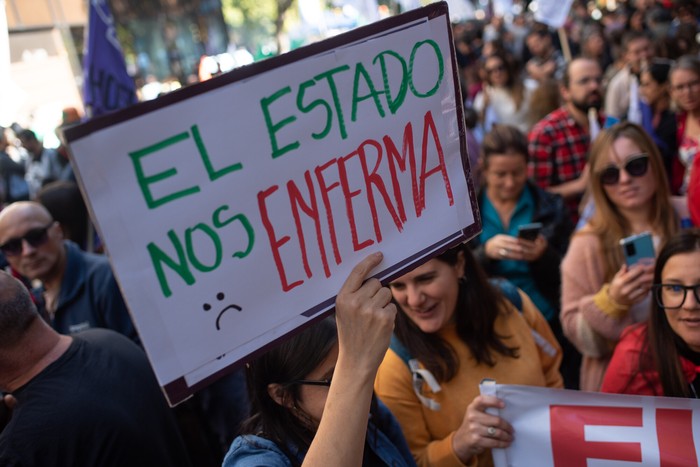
x=107, y=86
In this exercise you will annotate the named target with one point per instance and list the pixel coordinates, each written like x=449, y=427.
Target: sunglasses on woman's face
x=34, y=237
x=497, y=68
x=636, y=167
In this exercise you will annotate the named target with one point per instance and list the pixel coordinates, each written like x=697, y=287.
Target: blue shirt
x=517, y=272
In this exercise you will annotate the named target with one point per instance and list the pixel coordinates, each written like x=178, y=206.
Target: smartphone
x=638, y=248
x=529, y=231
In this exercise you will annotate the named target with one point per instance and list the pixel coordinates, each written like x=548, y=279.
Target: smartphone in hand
x=529, y=231
x=638, y=248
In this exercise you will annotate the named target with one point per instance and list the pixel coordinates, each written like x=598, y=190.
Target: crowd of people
x=575, y=147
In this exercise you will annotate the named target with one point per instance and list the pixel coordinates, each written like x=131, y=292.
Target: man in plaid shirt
x=559, y=143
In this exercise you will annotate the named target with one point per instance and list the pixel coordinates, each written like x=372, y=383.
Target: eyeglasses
x=672, y=296
x=492, y=70
x=310, y=382
x=685, y=86
x=35, y=238
x=636, y=166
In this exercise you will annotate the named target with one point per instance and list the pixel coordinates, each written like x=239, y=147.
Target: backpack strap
x=511, y=292
x=419, y=375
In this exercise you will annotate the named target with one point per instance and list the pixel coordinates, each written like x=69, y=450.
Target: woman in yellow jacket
x=459, y=329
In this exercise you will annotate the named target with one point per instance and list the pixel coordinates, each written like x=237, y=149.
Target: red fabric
x=623, y=376
x=558, y=148
x=694, y=192
x=677, y=167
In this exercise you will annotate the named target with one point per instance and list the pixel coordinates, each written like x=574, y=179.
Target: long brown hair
x=514, y=84
x=660, y=352
x=607, y=222
x=478, y=306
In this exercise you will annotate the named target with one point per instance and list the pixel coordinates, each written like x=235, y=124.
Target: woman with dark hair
x=504, y=98
x=601, y=294
x=658, y=119
x=311, y=397
x=508, y=201
x=662, y=356
x=458, y=330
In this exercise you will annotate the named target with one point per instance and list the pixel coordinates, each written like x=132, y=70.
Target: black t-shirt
x=98, y=405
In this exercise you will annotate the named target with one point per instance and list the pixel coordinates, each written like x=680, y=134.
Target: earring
x=463, y=281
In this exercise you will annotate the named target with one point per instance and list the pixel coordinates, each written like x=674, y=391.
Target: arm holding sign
x=365, y=319
x=311, y=396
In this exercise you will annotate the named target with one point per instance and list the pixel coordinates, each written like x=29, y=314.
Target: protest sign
x=233, y=210
x=553, y=12
x=565, y=428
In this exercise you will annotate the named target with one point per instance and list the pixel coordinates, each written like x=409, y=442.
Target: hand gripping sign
x=233, y=210
x=564, y=428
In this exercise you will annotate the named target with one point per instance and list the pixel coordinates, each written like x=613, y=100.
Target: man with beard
x=622, y=95
x=559, y=143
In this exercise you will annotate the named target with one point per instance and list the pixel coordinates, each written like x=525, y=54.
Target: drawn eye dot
x=220, y=296
x=206, y=307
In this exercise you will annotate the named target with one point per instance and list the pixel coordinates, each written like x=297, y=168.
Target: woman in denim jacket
x=311, y=397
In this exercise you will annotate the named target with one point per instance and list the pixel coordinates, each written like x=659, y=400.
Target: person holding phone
x=525, y=230
x=601, y=294
x=661, y=356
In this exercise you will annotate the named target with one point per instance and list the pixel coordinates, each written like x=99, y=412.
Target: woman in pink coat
x=601, y=295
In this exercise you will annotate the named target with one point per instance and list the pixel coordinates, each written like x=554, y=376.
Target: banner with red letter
x=564, y=428
x=233, y=210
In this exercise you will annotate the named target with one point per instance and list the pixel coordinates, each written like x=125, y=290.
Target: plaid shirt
x=558, y=148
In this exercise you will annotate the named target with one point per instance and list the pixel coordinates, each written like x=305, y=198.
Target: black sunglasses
x=494, y=69
x=35, y=237
x=636, y=167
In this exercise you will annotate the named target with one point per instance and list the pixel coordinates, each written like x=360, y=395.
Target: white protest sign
x=234, y=210
x=553, y=12
x=564, y=428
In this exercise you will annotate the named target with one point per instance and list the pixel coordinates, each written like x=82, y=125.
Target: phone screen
x=529, y=231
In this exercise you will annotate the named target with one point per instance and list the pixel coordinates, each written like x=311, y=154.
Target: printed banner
x=564, y=428
x=233, y=210
x=106, y=86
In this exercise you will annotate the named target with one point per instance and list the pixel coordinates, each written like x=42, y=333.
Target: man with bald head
x=559, y=143
x=84, y=400
x=79, y=288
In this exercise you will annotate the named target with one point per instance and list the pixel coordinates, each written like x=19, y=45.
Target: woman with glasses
x=311, y=397
x=661, y=357
x=601, y=295
x=504, y=98
x=685, y=91
x=453, y=330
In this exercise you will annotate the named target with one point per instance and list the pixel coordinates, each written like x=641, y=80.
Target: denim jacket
x=389, y=445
